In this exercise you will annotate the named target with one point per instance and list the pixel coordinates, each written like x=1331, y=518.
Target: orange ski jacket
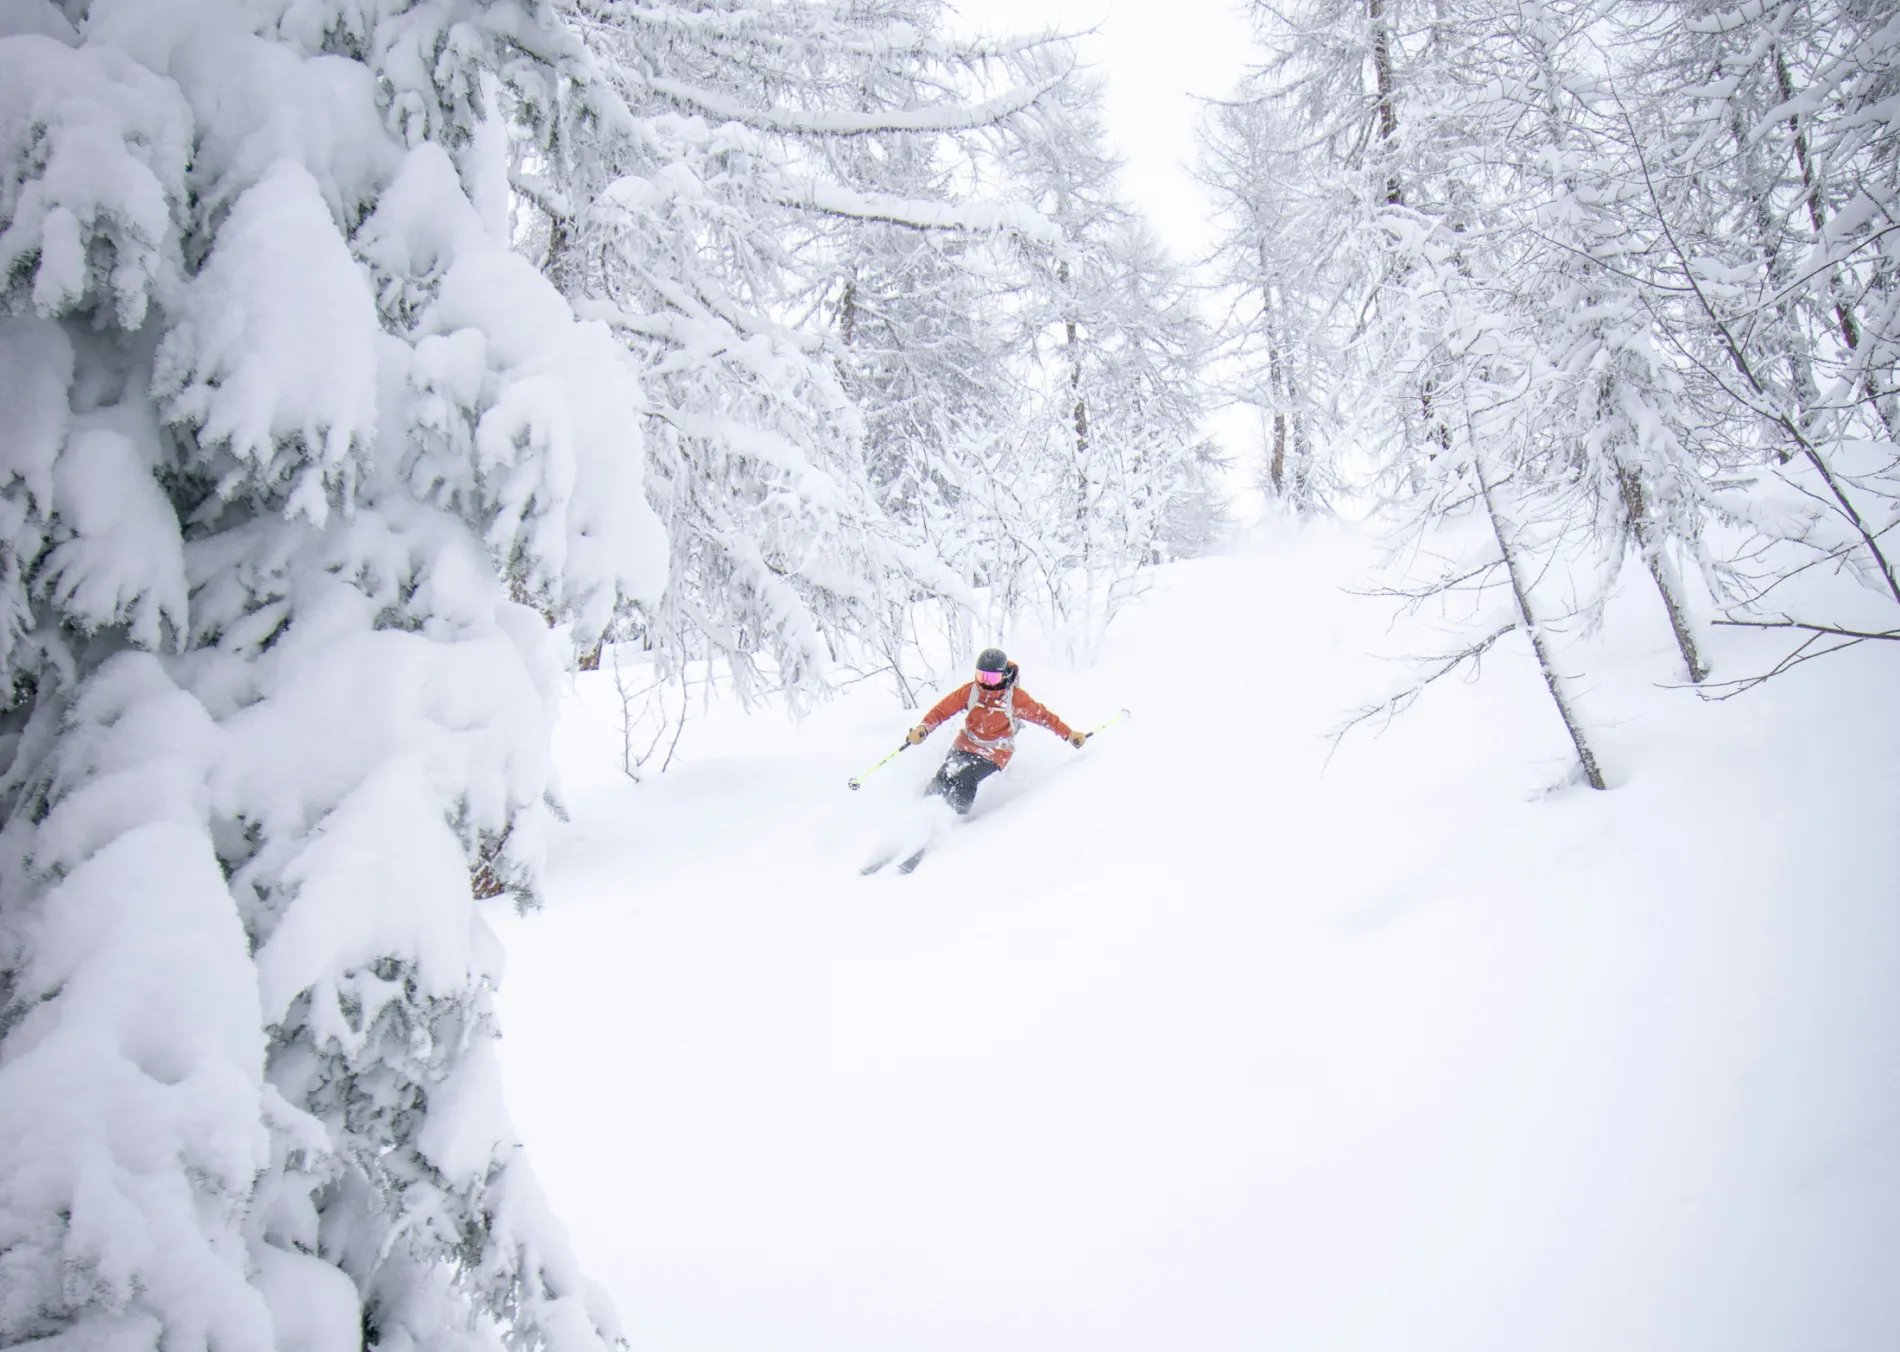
x=991, y=717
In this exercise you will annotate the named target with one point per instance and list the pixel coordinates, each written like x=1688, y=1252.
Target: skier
x=993, y=709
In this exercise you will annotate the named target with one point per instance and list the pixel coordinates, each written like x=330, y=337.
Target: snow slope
x=1180, y=1043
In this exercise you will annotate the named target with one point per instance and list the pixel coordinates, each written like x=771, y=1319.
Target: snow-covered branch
x=921, y=214
x=824, y=122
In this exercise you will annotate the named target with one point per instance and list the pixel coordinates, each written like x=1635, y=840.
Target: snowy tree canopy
x=827, y=234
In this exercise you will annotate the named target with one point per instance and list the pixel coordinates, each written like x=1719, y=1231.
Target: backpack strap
x=1009, y=711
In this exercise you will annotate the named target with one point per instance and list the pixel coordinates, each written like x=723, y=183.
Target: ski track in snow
x=1179, y=1043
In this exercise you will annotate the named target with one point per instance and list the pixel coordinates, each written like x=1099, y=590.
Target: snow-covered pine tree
x=819, y=240
x=299, y=458
x=921, y=346
x=919, y=329
x=1111, y=472
x=1019, y=467
x=772, y=148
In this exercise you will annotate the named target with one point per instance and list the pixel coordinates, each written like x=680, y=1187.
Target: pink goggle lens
x=990, y=677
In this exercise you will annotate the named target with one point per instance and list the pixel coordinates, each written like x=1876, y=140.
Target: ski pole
x=879, y=766
x=1111, y=723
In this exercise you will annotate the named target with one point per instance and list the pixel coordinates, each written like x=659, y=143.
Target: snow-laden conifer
x=311, y=459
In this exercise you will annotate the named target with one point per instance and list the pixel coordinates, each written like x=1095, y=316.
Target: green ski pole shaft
x=879, y=766
x=1111, y=723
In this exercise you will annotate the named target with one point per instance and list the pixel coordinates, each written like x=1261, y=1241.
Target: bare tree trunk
x=1072, y=350
x=1276, y=380
x=848, y=311
x=894, y=654
x=565, y=267
x=1792, y=342
x=1436, y=428
x=1302, y=465
x=1382, y=76
x=1796, y=425
x=1520, y=590
x=1081, y=415
x=1079, y=425
x=1081, y=404
x=1817, y=216
x=1289, y=433
x=1668, y=583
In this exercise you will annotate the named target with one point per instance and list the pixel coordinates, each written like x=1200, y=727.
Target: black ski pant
x=956, y=779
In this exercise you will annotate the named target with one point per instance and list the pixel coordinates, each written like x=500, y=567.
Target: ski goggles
x=991, y=677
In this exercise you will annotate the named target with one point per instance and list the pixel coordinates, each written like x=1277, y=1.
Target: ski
x=908, y=865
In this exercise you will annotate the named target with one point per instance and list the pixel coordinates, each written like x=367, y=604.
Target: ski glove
x=1076, y=739
x=916, y=735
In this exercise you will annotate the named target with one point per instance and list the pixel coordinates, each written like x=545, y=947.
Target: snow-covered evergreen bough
x=297, y=461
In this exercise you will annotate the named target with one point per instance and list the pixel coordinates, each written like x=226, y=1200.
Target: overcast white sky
x=1157, y=55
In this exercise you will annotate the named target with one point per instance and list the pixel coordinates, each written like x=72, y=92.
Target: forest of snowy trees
x=366, y=364
x=1615, y=283
x=362, y=366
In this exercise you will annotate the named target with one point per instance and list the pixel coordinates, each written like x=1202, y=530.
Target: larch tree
x=1763, y=161
x=1275, y=241
x=1417, y=280
x=1617, y=281
x=771, y=150
x=1112, y=471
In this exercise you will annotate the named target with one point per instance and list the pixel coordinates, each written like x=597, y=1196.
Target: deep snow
x=1183, y=1043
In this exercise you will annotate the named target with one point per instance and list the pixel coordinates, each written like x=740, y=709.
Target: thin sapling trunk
x=1540, y=645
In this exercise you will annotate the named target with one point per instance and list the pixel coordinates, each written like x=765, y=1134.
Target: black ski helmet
x=995, y=660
